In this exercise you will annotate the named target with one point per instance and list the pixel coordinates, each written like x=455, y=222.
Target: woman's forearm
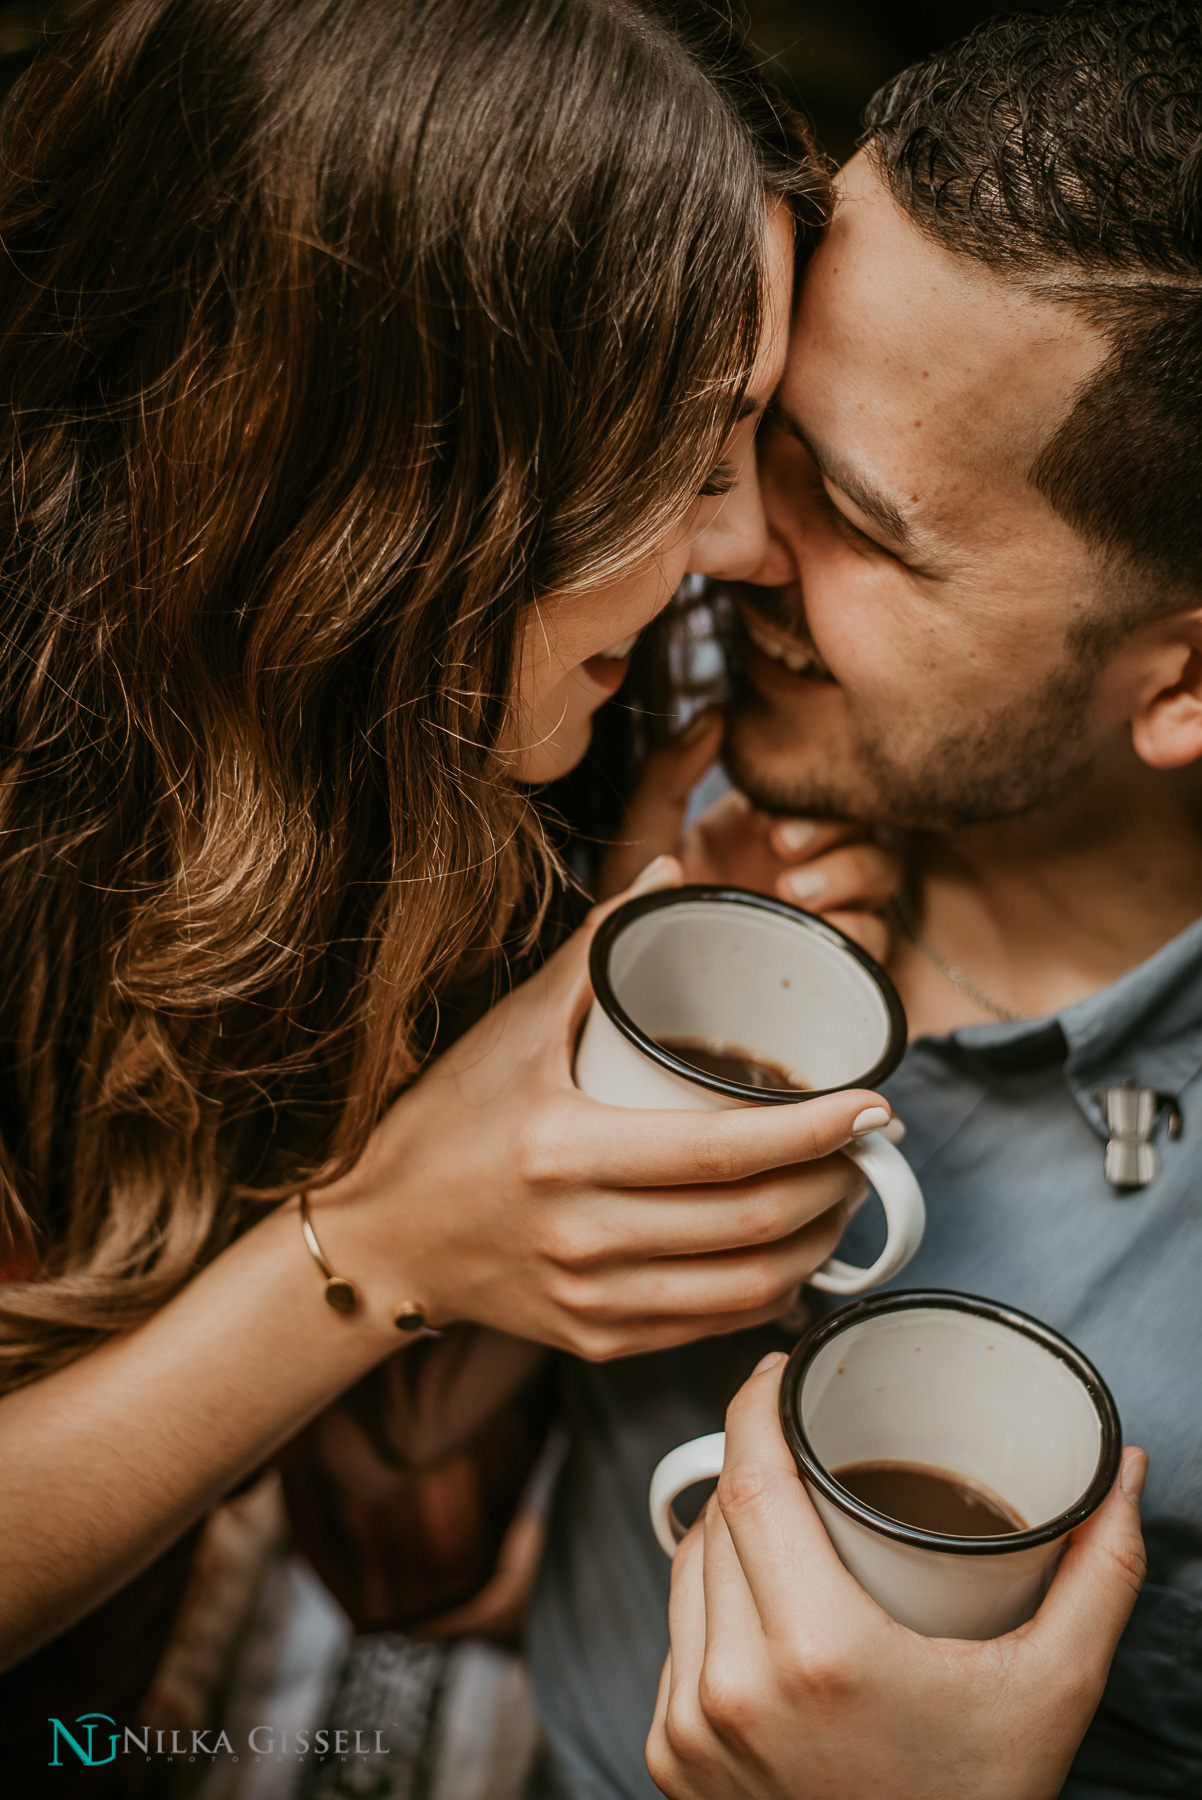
x=492, y=1192
x=107, y=1461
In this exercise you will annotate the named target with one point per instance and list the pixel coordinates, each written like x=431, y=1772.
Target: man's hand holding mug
x=784, y=1676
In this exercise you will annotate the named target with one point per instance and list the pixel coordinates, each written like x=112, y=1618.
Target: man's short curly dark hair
x=1065, y=149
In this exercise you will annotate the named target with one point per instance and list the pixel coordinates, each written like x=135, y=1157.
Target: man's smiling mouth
x=799, y=657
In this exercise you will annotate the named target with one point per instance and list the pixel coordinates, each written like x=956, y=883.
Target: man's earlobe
x=1166, y=731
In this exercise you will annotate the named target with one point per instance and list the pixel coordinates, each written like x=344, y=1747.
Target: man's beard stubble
x=1015, y=761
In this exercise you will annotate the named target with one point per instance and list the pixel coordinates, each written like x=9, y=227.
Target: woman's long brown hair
x=333, y=334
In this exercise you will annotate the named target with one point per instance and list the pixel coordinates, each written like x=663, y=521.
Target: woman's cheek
x=557, y=732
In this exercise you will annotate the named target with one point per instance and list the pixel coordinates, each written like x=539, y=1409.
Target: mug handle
x=905, y=1218
x=699, y=1460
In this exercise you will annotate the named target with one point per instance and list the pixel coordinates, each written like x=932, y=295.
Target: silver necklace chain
x=949, y=970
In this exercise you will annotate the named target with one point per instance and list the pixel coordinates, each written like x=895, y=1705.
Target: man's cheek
x=872, y=667
x=850, y=607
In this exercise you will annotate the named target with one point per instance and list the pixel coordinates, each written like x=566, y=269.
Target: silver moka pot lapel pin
x=1131, y=1113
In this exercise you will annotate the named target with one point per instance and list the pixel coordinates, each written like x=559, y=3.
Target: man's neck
x=1040, y=912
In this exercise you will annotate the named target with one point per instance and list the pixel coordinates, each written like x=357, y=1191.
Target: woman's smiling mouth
x=607, y=670
x=619, y=652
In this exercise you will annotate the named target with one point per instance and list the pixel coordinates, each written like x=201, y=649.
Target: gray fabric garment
x=1008, y=1143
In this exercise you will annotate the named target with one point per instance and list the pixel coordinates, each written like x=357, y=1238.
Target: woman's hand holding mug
x=495, y=1191
x=714, y=998
x=830, y=868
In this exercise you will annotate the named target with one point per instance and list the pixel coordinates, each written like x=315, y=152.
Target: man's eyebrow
x=883, y=512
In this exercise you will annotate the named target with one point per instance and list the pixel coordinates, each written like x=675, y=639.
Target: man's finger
x=657, y=1748
x=686, y=1612
x=796, y=1580
x=732, y=1622
x=677, y=1727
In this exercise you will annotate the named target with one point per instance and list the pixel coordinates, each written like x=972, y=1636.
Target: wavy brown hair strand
x=336, y=334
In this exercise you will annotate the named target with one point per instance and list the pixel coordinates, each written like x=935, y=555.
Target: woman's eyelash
x=720, y=481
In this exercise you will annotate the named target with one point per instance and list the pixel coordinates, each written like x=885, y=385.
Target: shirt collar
x=1145, y=1027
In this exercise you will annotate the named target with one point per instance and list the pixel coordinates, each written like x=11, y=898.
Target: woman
x=373, y=375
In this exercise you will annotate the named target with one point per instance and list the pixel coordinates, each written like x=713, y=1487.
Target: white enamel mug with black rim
x=725, y=965
x=954, y=1383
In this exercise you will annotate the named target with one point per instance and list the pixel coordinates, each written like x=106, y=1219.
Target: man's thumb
x=1101, y=1572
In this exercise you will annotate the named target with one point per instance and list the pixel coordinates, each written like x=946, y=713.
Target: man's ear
x=1166, y=728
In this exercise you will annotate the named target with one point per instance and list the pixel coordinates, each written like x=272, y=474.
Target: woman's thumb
x=660, y=872
x=655, y=816
x=675, y=768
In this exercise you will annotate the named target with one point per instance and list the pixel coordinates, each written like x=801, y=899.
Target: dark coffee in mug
x=729, y=1062
x=929, y=1499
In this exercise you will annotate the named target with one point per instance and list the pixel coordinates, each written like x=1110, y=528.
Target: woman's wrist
x=367, y=1221
x=343, y=1295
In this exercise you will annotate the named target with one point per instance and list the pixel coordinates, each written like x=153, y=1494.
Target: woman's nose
x=735, y=541
x=776, y=567
x=739, y=543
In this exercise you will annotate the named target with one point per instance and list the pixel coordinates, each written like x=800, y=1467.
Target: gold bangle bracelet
x=343, y=1295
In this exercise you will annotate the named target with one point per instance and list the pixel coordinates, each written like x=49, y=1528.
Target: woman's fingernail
x=794, y=834
x=895, y=1131
x=773, y=1360
x=805, y=884
x=871, y=1119
x=1133, y=1472
x=657, y=874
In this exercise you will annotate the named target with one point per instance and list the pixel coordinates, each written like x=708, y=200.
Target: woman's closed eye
x=719, y=481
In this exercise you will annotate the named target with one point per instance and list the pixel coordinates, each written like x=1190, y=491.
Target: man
x=978, y=622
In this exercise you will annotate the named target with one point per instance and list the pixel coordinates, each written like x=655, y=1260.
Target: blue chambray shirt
x=1008, y=1142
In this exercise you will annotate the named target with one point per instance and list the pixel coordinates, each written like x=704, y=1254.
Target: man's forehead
x=923, y=363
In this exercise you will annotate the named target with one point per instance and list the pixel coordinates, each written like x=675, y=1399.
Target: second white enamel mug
x=954, y=1383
